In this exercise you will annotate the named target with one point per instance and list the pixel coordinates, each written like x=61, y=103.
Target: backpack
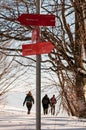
x=45, y=101
x=53, y=100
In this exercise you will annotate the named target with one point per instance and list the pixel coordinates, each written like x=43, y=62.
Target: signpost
x=37, y=20
x=38, y=76
x=37, y=49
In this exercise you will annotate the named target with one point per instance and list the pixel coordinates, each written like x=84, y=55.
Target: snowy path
x=15, y=120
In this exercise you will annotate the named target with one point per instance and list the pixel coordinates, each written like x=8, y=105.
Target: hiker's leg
x=46, y=110
x=29, y=106
x=43, y=109
x=53, y=109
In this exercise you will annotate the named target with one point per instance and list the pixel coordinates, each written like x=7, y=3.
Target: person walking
x=52, y=103
x=45, y=104
x=29, y=100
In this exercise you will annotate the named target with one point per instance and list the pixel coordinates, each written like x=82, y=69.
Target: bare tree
x=69, y=57
x=68, y=36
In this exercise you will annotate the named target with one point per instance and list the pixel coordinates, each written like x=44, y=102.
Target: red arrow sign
x=36, y=49
x=37, y=19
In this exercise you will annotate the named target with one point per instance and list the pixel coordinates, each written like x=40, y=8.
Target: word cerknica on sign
x=37, y=20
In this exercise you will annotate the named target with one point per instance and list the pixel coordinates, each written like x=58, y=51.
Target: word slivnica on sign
x=36, y=49
x=37, y=20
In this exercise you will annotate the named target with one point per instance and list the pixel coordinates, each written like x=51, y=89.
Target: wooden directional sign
x=37, y=20
x=36, y=49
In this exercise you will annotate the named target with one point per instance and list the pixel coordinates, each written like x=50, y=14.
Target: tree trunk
x=79, y=40
x=80, y=96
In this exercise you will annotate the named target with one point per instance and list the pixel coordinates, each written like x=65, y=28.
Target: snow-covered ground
x=15, y=119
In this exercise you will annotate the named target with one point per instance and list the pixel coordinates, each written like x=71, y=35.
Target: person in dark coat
x=29, y=100
x=45, y=104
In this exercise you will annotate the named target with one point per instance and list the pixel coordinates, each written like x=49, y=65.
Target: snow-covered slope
x=11, y=119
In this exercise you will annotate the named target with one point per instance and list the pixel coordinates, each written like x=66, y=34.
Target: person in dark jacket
x=29, y=100
x=45, y=104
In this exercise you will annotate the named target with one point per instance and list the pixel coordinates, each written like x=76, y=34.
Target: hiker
x=52, y=103
x=29, y=100
x=45, y=104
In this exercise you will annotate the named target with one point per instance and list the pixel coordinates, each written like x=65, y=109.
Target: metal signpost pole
x=38, y=78
x=36, y=20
